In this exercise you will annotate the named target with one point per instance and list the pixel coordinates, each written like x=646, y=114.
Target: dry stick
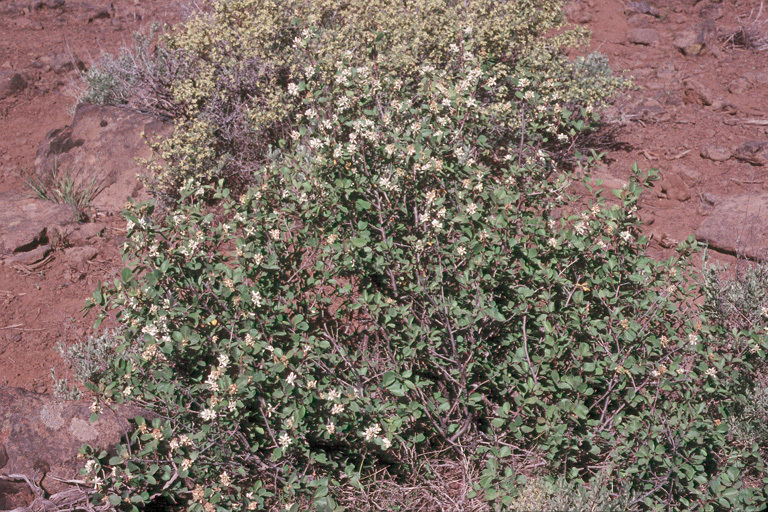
x=649, y=155
x=11, y=326
x=525, y=346
x=758, y=122
x=18, y=478
x=680, y=155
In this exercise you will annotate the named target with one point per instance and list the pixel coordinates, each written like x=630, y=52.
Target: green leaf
x=126, y=274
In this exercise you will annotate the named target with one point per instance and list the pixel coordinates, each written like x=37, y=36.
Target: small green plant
x=136, y=76
x=91, y=358
x=737, y=301
x=65, y=187
x=62, y=390
x=603, y=494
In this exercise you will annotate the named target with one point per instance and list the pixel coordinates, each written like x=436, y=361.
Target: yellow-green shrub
x=230, y=64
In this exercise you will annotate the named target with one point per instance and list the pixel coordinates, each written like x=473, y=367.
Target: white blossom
x=372, y=431
x=208, y=414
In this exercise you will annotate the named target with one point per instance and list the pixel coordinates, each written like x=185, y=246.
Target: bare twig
x=753, y=121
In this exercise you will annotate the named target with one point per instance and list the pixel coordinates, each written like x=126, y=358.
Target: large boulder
x=104, y=145
x=738, y=225
x=28, y=225
x=40, y=435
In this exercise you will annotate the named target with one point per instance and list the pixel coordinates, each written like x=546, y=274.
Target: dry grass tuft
x=750, y=34
x=442, y=483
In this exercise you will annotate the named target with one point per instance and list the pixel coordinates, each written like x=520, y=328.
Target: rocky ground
x=699, y=113
x=52, y=263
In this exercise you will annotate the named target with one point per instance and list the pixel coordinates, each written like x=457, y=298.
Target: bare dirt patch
x=45, y=45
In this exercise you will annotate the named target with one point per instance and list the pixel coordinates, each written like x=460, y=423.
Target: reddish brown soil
x=42, y=308
x=665, y=129
x=660, y=127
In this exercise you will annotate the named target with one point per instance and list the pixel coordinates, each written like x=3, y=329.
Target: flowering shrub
x=369, y=286
x=225, y=74
x=403, y=286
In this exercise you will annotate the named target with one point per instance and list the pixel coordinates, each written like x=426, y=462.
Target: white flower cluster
x=373, y=432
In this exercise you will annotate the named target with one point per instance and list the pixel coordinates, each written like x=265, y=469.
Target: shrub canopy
x=401, y=283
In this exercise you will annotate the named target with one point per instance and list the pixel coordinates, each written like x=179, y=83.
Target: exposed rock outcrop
x=738, y=225
x=40, y=436
x=103, y=146
x=27, y=225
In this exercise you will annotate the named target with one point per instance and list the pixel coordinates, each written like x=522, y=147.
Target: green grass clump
x=65, y=187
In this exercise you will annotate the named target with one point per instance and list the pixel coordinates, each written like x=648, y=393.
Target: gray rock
x=738, y=86
x=666, y=72
x=103, y=145
x=673, y=185
x=643, y=36
x=711, y=11
x=77, y=255
x=47, y=4
x=715, y=153
x=725, y=107
x=737, y=225
x=757, y=77
x=576, y=12
x=85, y=232
x=691, y=177
x=754, y=152
x=42, y=435
x=689, y=42
x=647, y=108
x=640, y=20
x=707, y=202
x=31, y=257
x=643, y=8
x=88, y=13
x=63, y=62
x=11, y=82
x=26, y=223
x=607, y=180
x=695, y=92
